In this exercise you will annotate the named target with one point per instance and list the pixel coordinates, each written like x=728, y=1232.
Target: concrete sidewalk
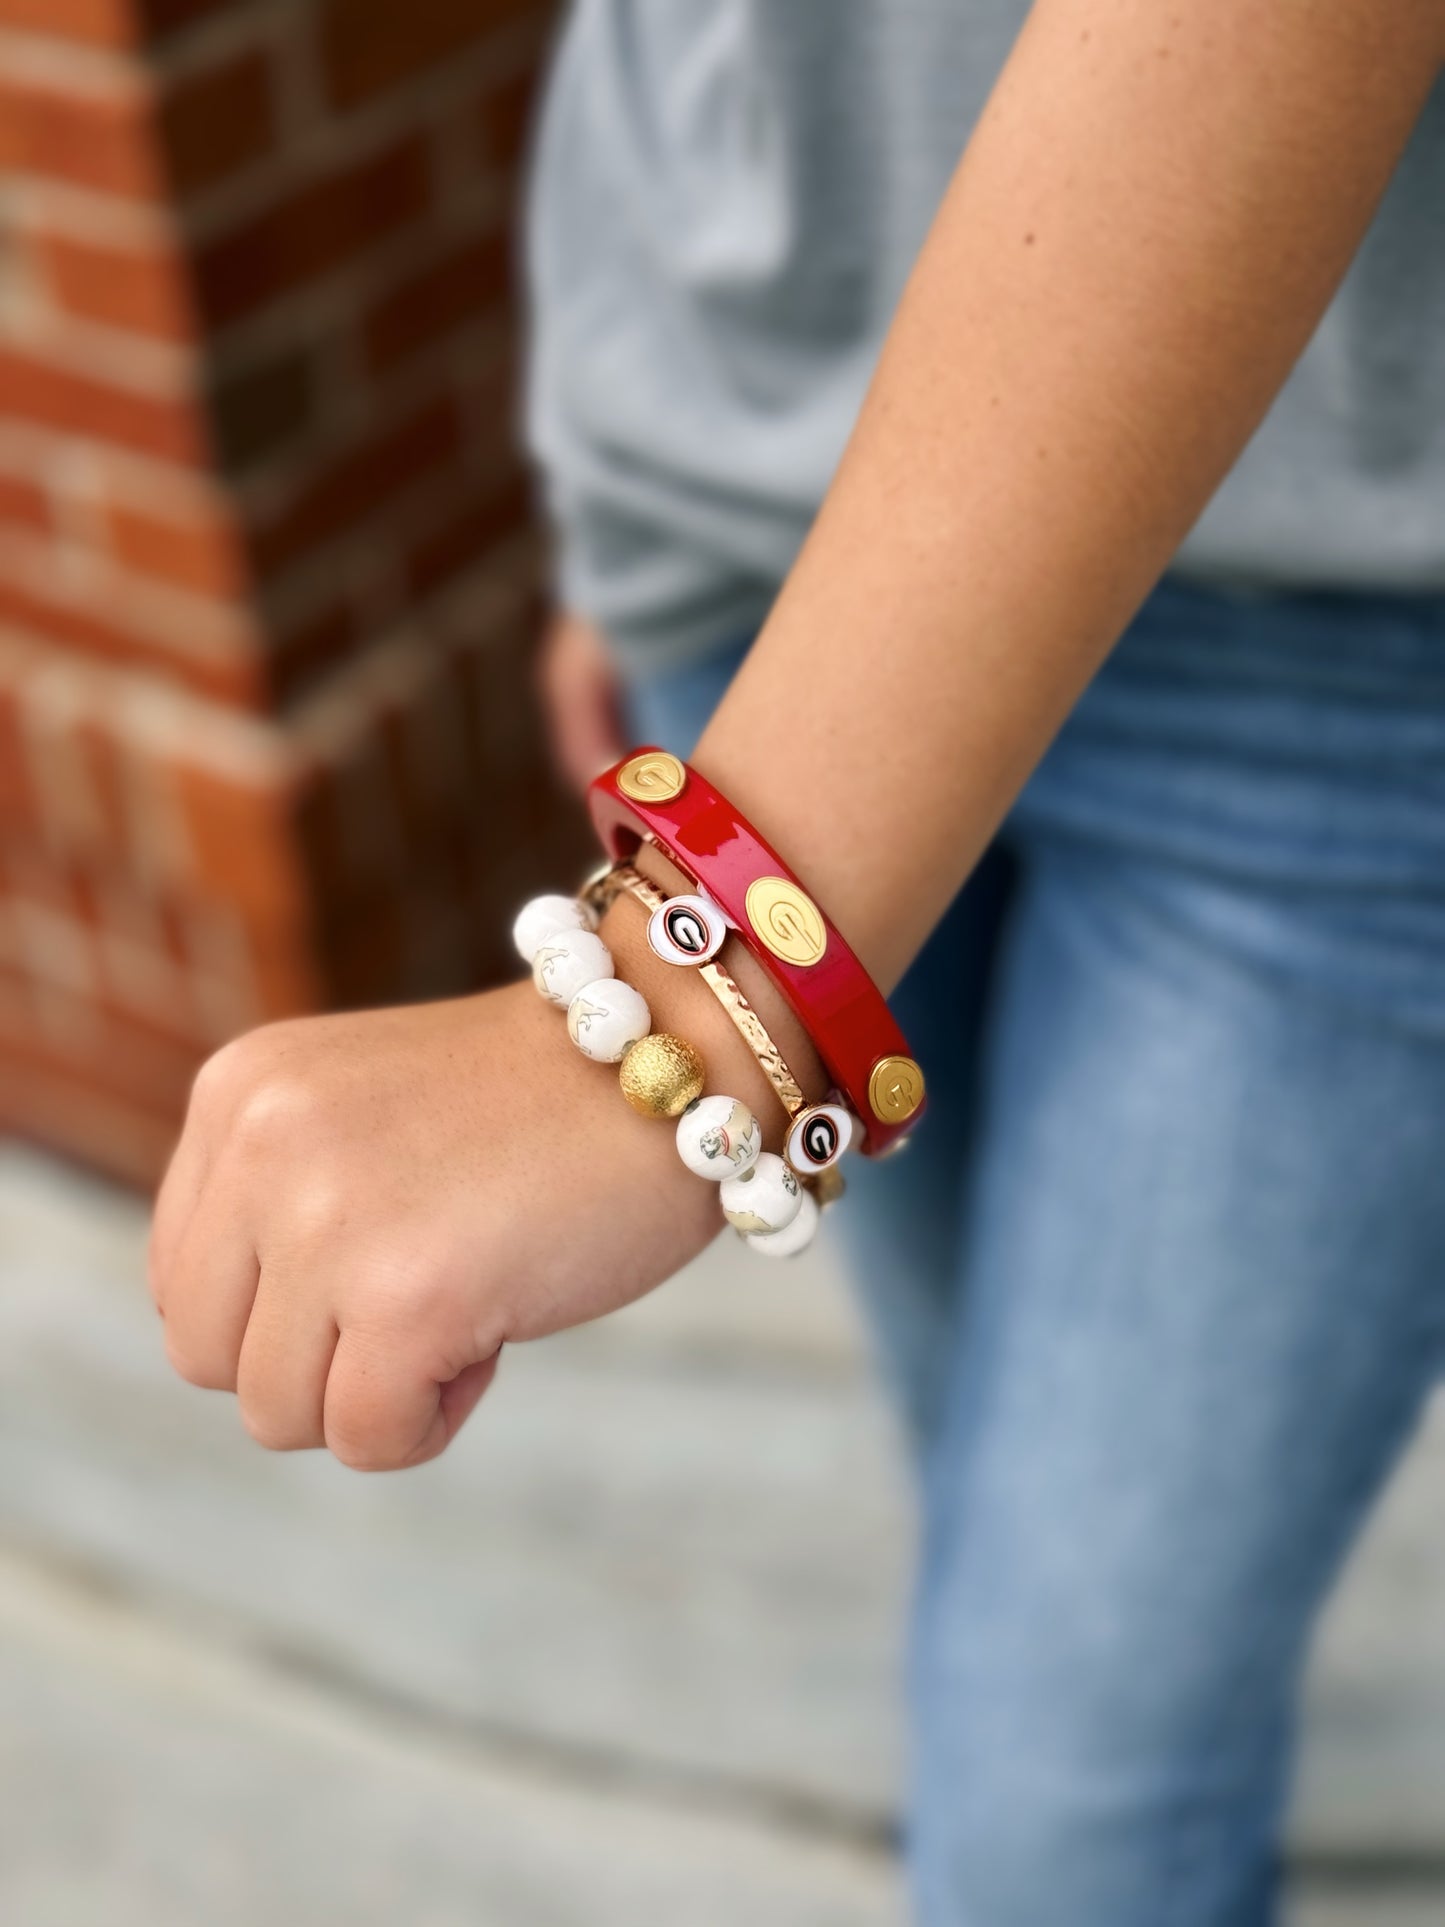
x=626, y=1654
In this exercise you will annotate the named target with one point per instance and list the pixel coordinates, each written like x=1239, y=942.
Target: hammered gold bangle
x=750, y=1027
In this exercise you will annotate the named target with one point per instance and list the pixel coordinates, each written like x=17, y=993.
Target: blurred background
x=268, y=598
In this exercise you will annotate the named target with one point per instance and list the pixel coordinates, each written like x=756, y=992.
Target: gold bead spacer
x=652, y=777
x=895, y=1089
x=786, y=919
x=661, y=1075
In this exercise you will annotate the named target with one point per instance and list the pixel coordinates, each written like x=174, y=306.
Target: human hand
x=581, y=699
x=363, y=1209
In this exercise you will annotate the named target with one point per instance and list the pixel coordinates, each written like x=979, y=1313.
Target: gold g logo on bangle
x=652, y=777
x=787, y=920
x=895, y=1089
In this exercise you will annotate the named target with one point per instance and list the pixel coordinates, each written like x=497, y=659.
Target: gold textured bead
x=661, y=1075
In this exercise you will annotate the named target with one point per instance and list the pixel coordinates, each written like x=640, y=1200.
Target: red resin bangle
x=652, y=794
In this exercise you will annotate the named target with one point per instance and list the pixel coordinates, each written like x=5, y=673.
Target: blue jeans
x=1160, y=1281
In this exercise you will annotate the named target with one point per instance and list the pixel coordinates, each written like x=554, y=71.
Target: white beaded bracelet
x=717, y=1136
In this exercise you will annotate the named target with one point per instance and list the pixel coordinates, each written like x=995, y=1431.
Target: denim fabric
x=1160, y=1282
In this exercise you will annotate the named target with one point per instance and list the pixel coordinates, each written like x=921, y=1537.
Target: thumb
x=383, y=1413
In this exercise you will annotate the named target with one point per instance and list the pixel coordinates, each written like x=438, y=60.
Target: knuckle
x=360, y=1454
x=317, y=1204
x=250, y=1064
x=398, y=1296
x=423, y=1297
x=210, y=1374
x=215, y=1076
x=274, y=1434
x=227, y=1070
x=278, y=1107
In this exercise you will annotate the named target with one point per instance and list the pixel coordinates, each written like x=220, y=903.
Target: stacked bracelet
x=742, y=884
x=688, y=930
x=659, y=906
x=660, y=1075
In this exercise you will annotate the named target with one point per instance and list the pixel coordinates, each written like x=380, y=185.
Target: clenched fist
x=364, y=1209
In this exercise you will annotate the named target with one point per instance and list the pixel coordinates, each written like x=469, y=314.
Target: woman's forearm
x=1144, y=230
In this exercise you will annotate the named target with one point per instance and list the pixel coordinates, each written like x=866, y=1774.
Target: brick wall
x=267, y=588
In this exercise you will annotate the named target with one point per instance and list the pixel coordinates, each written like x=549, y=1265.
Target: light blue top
x=727, y=199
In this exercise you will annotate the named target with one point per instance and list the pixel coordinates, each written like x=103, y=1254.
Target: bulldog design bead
x=818, y=1137
x=547, y=917
x=686, y=930
x=718, y=1137
x=765, y=1198
x=793, y=1238
x=606, y=1018
x=567, y=962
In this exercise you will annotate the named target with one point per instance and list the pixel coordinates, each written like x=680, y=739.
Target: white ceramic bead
x=547, y=917
x=793, y=1238
x=765, y=1198
x=606, y=1018
x=818, y=1137
x=686, y=930
x=567, y=963
x=718, y=1137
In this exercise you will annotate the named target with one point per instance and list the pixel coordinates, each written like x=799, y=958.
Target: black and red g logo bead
x=686, y=930
x=818, y=1137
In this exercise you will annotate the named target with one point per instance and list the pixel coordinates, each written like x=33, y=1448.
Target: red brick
x=100, y=23
x=173, y=933
x=321, y=828
x=102, y=141
x=368, y=46
x=285, y=969
x=231, y=678
x=320, y=226
x=217, y=122
x=175, y=1025
x=109, y=23
x=472, y=527
x=464, y=283
x=243, y=841
x=131, y=141
x=304, y=652
x=42, y=392
x=202, y=551
x=426, y=779
x=259, y=409
x=364, y=955
x=362, y=480
x=489, y=387
x=288, y=984
x=505, y=113
x=161, y=17
x=19, y=805
x=62, y=1108
x=144, y=290
x=33, y=875
x=24, y=505
x=110, y=1055
x=100, y=761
